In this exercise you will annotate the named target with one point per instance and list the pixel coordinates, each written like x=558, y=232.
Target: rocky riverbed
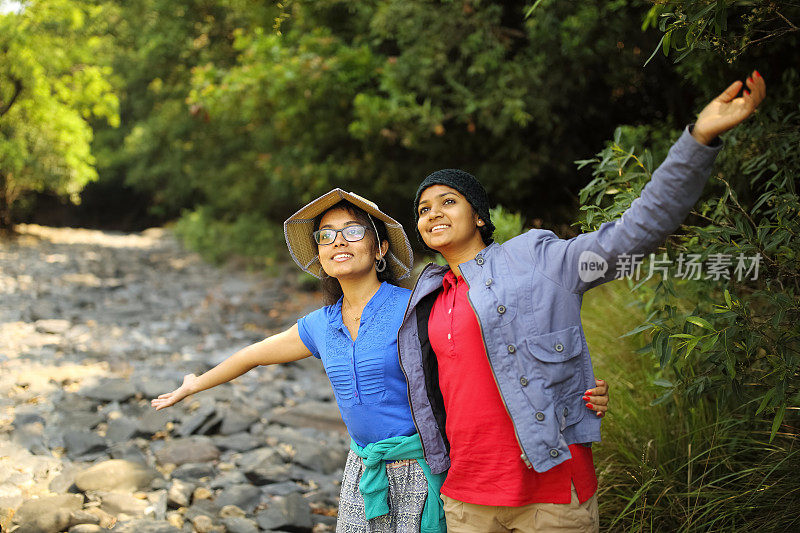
x=92, y=326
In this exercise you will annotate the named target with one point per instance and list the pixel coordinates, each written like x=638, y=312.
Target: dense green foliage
x=726, y=341
x=52, y=84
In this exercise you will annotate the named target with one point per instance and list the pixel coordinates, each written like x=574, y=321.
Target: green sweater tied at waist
x=374, y=483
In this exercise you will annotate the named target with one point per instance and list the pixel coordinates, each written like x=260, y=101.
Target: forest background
x=224, y=116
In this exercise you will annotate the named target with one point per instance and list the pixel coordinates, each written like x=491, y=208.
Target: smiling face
x=344, y=259
x=447, y=221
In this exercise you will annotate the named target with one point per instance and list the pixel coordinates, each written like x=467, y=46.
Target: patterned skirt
x=408, y=489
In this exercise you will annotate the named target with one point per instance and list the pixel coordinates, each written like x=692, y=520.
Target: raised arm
x=280, y=348
x=664, y=203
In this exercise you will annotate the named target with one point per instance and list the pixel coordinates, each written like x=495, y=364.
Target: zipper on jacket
x=524, y=456
x=400, y=360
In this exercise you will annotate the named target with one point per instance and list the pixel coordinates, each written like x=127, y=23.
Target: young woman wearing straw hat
x=360, y=253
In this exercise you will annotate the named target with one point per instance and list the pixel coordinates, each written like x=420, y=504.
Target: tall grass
x=680, y=467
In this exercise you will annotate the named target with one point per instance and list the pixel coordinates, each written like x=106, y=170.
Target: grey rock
x=237, y=524
x=81, y=420
x=246, y=497
x=320, y=415
x=116, y=503
x=153, y=387
x=289, y=512
x=264, y=475
x=115, y=474
x=48, y=514
x=227, y=479
x=154, y=421
x=83, y=517
x=127, y=451
x=239, y=442
x=86, y=528
x=79, y=442
x=180, y=493
x=190, y=424
x=281, y=489
x=265, y=456
x=54, y=326
x=109, y=390
x=202, y=507
x=319, y=458
x=194, y=471
x=64, y=481
x=121, y=429
x=144, y=526
x=238, y=419
x=193, y=450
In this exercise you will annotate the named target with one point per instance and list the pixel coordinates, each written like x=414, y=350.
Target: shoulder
x=529, y=240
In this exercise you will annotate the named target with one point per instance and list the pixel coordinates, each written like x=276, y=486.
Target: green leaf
x=702, y=322
x=663, y=383
x=776, y=422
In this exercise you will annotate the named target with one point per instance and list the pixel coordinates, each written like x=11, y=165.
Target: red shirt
x=486, y=467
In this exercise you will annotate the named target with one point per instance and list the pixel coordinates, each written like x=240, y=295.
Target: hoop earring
x=380, y=265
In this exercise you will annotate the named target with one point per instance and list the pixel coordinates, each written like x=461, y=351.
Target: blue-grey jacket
x=526, y=294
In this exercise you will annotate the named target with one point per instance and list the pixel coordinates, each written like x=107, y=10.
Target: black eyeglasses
x=350, y=233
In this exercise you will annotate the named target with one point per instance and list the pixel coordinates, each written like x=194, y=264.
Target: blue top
x=368, y=383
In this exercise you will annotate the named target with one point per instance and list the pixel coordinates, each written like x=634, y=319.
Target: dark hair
x=331, y=288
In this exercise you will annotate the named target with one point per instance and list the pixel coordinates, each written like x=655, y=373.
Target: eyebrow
x=348, y=223
x=439, y=196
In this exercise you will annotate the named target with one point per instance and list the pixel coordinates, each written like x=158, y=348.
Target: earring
x=380, y=265
x=480, y=222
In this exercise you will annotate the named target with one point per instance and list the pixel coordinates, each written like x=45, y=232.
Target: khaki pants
x=536, y=517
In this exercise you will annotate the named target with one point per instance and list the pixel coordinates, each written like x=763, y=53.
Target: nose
x=339, y=240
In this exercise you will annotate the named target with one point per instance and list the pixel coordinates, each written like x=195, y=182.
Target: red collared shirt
x=486, y=468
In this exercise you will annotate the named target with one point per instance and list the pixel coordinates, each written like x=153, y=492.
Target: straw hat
x=299, y=228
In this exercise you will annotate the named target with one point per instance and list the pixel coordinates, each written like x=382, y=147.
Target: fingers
x=597, y=398
x=757, y=90
x=731, y=92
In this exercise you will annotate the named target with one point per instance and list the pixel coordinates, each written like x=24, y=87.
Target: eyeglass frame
x=337, y=231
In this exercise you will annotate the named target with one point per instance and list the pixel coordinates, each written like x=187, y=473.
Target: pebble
x=95, y=324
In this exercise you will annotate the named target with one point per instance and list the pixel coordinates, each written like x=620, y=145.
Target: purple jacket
x=526, y=294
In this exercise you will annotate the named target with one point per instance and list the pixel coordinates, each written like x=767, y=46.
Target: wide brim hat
x=299, y=229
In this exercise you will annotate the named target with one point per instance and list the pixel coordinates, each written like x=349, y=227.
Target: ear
x=384, y=249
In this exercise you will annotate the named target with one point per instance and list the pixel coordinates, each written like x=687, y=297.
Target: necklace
x=354, y=316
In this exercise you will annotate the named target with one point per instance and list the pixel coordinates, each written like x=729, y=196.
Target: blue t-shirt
x=368, y=383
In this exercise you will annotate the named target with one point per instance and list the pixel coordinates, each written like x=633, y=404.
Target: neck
x=462, y=254
x=357, y=292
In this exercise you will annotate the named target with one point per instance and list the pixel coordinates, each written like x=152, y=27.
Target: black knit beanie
x=469, y=187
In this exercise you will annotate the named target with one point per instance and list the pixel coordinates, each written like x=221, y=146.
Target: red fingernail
x=588, y=392
x=747, y=93
x=585, y=398
x=588, y=406
x=599, y=413
x=757, y=74
x=750, y=80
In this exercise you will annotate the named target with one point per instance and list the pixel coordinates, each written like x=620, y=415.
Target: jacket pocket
x=557, y=363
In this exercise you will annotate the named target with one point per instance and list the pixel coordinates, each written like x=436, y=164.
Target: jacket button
x=559, y=347
x=523, y=381
x=479, y=260
x=489, y=281
x=512, y=348
x=540, y=416
x=554, y=453
x=501, y=309
x=566, y=412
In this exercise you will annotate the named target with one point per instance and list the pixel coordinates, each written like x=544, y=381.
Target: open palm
x=171, y=398
x=727, y=110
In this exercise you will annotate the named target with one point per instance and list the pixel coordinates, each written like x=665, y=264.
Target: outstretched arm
x=662, y=206
x=280, y=348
